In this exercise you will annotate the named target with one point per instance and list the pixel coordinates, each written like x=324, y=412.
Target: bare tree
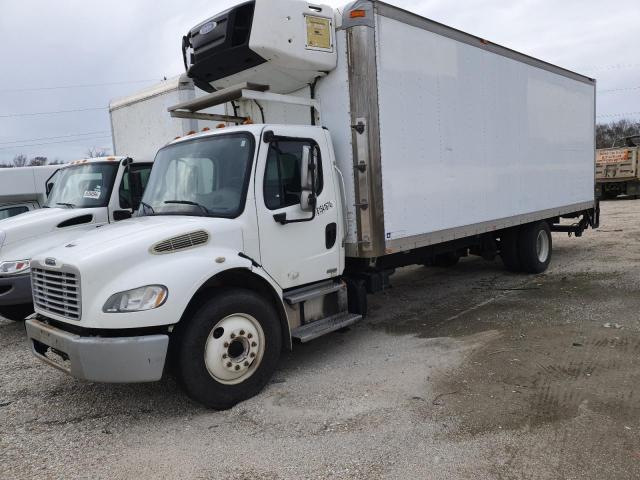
x=96, y=152
x=38, y=161
x=19, y=160
x=613, y=133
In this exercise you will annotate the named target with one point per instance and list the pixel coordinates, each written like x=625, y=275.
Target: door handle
x=330, y=235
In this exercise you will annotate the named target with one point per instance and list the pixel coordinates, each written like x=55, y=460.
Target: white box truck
x=23, y=189
x=88, y=193
x=385, y=139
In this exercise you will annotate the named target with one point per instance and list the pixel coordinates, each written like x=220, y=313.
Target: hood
x=38, y=222
x=123, y=244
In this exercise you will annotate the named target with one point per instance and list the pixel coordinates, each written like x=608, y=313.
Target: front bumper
x=99, y=359
x=15, y=290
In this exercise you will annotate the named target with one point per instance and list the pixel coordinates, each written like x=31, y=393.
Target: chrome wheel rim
x=234, y=349
x=542, y=246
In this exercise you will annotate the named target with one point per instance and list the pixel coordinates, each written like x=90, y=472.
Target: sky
x=106, y=50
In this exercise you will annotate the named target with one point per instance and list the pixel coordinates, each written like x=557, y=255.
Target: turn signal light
x=220, y=125
x=358, y=13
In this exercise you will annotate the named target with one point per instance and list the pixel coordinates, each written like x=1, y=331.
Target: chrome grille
x=57, y=292
x=181, y=242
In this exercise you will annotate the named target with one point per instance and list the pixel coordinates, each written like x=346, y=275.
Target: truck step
x=300, y=295
x=313, y=330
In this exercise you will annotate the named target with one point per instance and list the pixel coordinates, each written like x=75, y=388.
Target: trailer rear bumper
x=97, y=359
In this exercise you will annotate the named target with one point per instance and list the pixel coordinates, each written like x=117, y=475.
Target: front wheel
x=229, y=349
x=17, y=313
x=534, y=247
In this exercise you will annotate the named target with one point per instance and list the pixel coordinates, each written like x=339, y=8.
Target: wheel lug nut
x=254, y=344
x=228, y=364
x=226, y=344
x=253, y=355
x=246, y=364
x=233, y=335
x=241, y=332
x=250, y=336
x=237, y=367
x=224, y=355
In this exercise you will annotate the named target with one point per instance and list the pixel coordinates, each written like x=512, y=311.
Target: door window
x=133, y=185
x=282, y=179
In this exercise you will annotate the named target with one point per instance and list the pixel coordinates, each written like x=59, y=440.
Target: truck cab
x=251, y=213
x=81, y=196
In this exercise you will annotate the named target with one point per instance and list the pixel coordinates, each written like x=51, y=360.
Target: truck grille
x=56, y=292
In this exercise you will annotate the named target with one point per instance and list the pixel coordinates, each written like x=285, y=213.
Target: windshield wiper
x=70, y=205
x=204, y=209
x=146, y=205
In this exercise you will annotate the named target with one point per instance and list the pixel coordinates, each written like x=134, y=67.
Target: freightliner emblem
x=208, y=27
x=50, y=261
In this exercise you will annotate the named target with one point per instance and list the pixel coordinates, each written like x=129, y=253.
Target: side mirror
x=121, y=215
x=307, y=180
x=49, y=187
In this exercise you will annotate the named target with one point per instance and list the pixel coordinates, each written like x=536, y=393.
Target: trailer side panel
x=497, y=141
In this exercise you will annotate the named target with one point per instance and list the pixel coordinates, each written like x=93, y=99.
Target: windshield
x=83, y=186
x=203, y=177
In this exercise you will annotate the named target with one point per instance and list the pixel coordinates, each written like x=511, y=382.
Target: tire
x=535, y=247
x=509, y=250
x=239, y=333
x=17, y=313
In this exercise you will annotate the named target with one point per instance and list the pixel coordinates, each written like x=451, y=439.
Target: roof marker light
x=357, y=13
x=221, y=125
x=206, y=129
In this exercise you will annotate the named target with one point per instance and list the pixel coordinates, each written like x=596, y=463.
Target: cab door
x=297, y=246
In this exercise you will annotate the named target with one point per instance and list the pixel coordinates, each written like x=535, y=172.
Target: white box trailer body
x=25, y=184
x=140, y=125
x=462, y=136
x=23, y=189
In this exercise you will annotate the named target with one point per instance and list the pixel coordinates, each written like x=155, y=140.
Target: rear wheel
x=535, y=245
x=229, y=349
x=17, y=313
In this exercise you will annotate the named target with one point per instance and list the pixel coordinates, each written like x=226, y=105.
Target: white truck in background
x=90, y=193
x=84, y=195
x=23, y=189
x=385, y=140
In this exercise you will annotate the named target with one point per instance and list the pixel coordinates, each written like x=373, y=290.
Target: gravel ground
x=464, y=373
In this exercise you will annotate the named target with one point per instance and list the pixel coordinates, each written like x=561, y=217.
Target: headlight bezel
x=114, y=303
x=21, y=267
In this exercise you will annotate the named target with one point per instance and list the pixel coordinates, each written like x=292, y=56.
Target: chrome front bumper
x=99, y=359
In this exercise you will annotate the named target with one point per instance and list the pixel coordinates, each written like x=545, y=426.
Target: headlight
x=14, y=267
x=137, y=300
